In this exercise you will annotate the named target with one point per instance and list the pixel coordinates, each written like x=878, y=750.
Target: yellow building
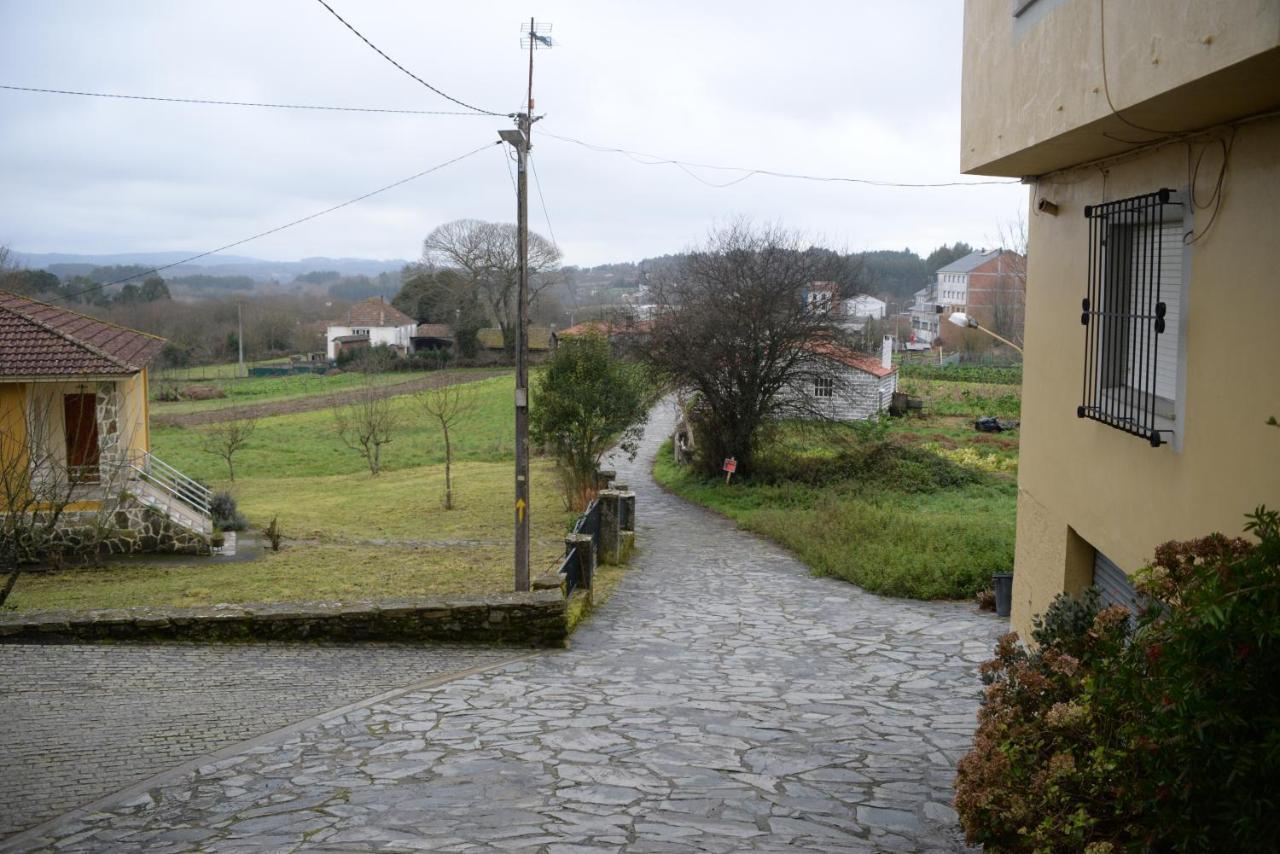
x=75, y=443
x=1148, y=133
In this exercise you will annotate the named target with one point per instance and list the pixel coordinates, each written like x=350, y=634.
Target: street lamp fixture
x=964, y=321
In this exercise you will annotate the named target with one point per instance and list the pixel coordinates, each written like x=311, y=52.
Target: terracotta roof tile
x=41, y=340
x=852, y=358
x=375, y=312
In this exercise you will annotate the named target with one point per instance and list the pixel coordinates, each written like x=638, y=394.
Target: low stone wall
x=524, y=619
x=131, y=529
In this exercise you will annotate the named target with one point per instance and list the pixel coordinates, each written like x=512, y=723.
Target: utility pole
x=240, y=335
x=520, y=139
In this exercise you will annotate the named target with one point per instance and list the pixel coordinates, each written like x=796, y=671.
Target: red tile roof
x=376, y=312
x=852, y=358
x=600, y=327
x=42, y=340
x=434, y=330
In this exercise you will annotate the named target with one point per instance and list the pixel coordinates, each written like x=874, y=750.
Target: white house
x=846, y=385
x=924, y=318
x=368, y=324
x=865, y=307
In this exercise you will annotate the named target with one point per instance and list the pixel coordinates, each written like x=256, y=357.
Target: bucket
x=1003, y=584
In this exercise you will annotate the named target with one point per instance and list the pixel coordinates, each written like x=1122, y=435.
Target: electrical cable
x=684, y=165
x=380, y=52
x=309, y=217
x=1106, y=87
x=543, y=200
x=240, y=103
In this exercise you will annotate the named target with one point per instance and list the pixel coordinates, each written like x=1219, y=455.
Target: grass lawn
x=926, y=512
x=304, y=444
x=329, y=523
x=348, y=535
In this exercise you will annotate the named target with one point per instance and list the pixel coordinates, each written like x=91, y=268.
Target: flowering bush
x=1162, y=734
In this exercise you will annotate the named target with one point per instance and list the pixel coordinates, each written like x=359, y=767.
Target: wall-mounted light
x=1046, y=206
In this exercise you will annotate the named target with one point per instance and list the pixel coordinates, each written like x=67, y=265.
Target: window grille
x=1131, y=314
x=823, y=386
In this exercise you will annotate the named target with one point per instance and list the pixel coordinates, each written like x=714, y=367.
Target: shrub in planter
x=1163, y=736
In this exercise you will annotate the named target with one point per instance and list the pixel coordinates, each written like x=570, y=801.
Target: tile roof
x=600, y=327
x=375, y=311
x=42, y=340
x=852, y=358
x=434, y=330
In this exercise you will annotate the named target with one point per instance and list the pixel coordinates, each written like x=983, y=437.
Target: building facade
x=371, y=323
x=1150, y=388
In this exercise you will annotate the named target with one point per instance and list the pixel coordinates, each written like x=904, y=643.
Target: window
x=364, y=332
x=1132, y=313
x=823, y=386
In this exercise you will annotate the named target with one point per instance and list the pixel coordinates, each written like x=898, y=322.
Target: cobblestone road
x=80, y=722
x=723, y=700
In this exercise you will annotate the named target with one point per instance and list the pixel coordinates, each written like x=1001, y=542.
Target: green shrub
x=222, y=507
x=1161, y=735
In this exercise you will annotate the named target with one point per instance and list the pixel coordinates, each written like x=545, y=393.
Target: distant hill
x=67, y=264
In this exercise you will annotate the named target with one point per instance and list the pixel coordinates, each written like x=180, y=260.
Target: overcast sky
x=859, y=88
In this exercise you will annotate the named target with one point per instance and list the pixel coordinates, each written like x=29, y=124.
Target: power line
x=685, y=165
x=543, y=200
x=380, y=52
x=279, y=228
x=238, y=103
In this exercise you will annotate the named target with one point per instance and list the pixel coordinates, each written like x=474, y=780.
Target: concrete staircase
x=158, y=485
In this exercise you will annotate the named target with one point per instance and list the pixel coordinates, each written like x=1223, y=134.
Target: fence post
x=582, y=547
x=610, y=526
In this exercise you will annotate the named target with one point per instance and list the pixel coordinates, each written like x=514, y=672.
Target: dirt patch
x=268, y=409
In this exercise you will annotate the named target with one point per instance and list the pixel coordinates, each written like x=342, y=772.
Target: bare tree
x=488, y=253
x=225, y=439
x=39, y=485
x=366, y=421
x=736, y=323
x=447, y=404
x=1009, y=294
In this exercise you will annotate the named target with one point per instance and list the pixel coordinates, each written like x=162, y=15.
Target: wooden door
x=81, y=420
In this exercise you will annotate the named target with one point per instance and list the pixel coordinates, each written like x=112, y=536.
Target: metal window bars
x=1124, y=312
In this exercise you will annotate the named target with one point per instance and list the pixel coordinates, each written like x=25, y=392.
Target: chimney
x=886, y=353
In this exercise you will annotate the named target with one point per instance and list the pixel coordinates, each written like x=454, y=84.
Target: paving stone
x=722, y=700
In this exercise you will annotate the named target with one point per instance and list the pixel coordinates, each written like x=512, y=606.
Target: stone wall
x=524, y=619
x=130, y=529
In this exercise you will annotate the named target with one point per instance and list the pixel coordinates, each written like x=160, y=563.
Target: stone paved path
x=81, y=722
x=723, y=700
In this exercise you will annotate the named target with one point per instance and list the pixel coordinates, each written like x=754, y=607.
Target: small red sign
x=730, y=465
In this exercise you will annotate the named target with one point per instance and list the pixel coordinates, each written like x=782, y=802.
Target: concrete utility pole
x=520, y=139
x=240, y=335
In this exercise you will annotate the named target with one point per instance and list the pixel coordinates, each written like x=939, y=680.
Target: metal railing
x=164, y=477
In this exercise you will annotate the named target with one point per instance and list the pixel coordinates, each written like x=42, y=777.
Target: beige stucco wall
x=1037, y=80
x=1112, y=489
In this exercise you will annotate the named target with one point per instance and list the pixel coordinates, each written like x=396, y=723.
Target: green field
x=348, y=534
x=242, y=391
x=924, y=511
x=305, y=444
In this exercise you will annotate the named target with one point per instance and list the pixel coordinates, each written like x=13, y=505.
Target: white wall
x=392, y=336
x=857, y=395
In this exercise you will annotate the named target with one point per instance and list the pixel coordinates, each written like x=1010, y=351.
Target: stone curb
x=525, y=619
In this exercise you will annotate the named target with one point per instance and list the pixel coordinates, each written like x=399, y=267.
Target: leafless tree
x=447, y=404
x=38, y=486
x=488, y=253
x=734, y=324
x=366, y=421
x=1009, y=295
x=224, y=439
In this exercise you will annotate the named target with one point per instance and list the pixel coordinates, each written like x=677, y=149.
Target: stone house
x=1149, y=392
x=75, y=438
x=844, y=385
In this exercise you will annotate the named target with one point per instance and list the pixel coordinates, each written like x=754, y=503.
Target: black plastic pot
x=1002, y=582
